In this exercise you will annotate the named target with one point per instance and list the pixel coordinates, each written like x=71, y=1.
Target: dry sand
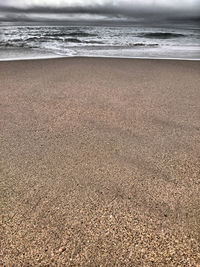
x=100, y=162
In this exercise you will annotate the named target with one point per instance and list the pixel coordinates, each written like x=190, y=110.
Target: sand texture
x=100, y=162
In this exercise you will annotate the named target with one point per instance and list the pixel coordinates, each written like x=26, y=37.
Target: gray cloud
x=104, y=9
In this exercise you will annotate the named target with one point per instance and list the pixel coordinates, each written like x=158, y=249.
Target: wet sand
x=100, y=162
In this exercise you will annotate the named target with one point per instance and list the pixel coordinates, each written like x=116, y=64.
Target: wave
x=161, y=35
x=17, y=44
x=76, y=40
x=71, y=34
x=33, y=39
x=81, y=34
x=142, y=45
x=93, y=42
x=31, y=43
x=73, y=40
x=35, y=42
x=12, y=44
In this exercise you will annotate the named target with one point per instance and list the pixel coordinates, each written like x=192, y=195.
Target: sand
x=100, y=162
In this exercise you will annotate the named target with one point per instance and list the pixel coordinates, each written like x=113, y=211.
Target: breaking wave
x=161, y=35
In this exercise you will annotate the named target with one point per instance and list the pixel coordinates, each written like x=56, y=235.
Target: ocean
x=129, y=41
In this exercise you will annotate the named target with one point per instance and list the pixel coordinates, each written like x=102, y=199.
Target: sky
x=39, y=10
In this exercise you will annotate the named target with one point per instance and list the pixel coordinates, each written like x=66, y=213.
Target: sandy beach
x=100, y=162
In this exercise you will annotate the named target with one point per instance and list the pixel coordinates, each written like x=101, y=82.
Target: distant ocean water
x=125, y=41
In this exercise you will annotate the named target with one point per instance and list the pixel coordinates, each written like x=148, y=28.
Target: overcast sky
x=16, y=10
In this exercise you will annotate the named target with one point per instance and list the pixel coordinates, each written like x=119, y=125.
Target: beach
x=100, y=162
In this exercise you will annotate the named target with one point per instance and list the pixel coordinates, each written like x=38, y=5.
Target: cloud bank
x=12, y=10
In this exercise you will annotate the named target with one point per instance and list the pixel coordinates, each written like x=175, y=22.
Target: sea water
x=130, y=41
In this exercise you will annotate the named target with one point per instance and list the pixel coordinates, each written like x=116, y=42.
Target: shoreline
x=111, y=57
x=99, y=154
